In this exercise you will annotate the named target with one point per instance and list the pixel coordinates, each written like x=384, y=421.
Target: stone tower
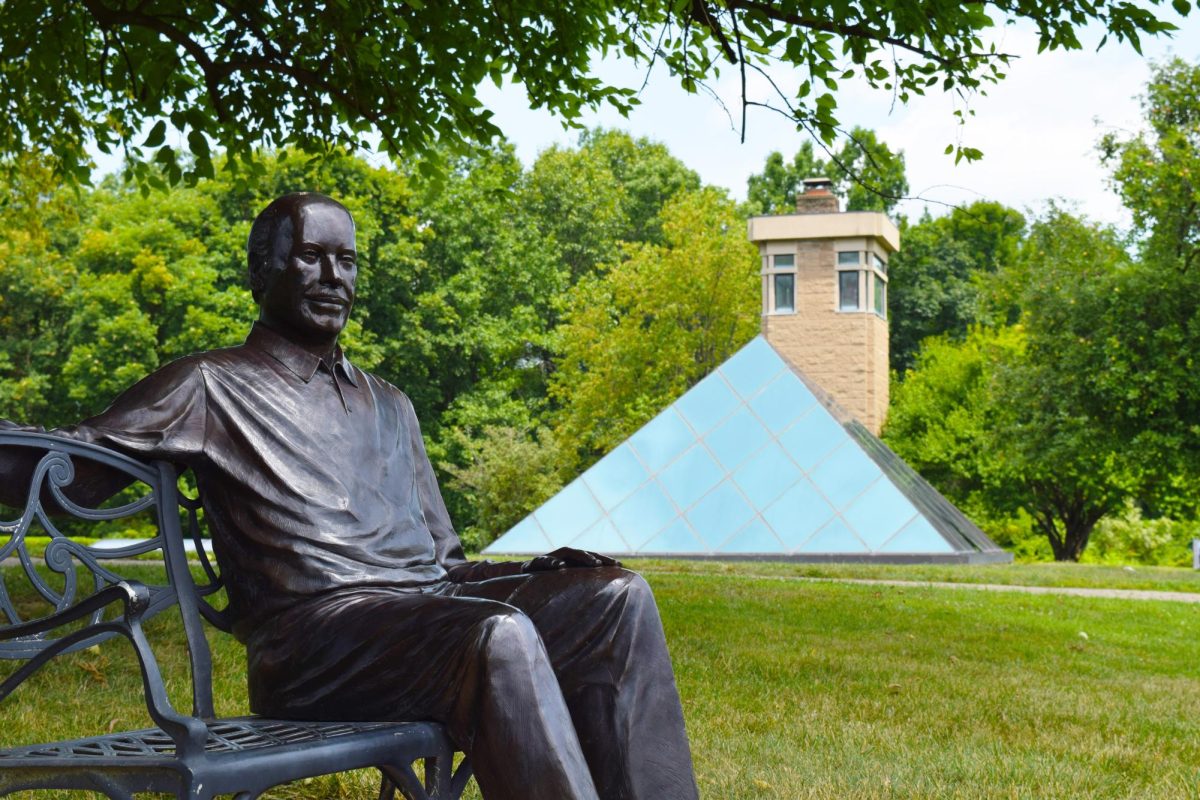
x=824, y=295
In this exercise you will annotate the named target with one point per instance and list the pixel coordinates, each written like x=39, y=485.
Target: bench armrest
x=135, y=595
x=188, y=733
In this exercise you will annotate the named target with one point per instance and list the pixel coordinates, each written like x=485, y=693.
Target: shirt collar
x=301, y=362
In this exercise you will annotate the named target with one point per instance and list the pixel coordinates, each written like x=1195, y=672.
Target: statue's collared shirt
x=312, y=472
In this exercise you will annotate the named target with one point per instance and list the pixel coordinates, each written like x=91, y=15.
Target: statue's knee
x=635, y=588
x=510, y=631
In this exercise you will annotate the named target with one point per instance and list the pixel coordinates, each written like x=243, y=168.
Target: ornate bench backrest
x=50, y=511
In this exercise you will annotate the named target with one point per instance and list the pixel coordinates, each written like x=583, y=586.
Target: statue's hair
x=275, y=221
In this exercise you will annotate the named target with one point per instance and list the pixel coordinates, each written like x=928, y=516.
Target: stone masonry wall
x=844, y=353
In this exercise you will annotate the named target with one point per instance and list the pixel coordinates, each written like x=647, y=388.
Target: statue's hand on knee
x=566, y=558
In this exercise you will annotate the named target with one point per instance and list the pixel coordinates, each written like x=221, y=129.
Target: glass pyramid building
x=753, y=462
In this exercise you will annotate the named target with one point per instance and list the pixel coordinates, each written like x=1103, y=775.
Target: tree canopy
x=404, y=75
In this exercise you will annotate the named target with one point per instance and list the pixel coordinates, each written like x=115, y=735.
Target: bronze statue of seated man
x=346, y=581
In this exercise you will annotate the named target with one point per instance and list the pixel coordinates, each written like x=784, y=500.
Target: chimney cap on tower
x=817, y=185
x=817, y=197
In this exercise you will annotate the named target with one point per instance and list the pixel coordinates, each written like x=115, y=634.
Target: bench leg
x=387, y=789
x=405, y=780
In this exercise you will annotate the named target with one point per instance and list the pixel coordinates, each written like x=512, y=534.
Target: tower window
x=785, y=292
x=879, y=263
x=848, y=291
x=881, y=297
x=781, y=279
x=849, y=258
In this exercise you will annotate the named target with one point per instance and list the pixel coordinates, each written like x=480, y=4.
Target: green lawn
x=1093, y=576
x=799, y=689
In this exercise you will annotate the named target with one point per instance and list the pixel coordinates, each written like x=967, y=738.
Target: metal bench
x=191, y=755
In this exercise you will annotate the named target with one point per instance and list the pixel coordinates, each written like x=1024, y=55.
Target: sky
x=1037, y=128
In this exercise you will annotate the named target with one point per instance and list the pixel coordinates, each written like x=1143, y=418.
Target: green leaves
x=244, y=78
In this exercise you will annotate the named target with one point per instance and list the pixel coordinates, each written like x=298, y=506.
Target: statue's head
x=303, y=265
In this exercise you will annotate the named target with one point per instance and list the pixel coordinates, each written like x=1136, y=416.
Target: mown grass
x=797, y=689
x=1089, y=576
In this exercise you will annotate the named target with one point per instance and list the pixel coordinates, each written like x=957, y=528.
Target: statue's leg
x=477, y=665
x=602, y=631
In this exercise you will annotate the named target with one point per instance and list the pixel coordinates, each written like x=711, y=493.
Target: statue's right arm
x=161, y=417
x=16, y=467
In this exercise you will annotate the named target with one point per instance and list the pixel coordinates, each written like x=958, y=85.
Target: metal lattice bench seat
x=190, y=755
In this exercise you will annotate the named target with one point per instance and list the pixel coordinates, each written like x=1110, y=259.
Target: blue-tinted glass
x=766, y=474
x=785, y=292
x=754, y=538
x=782, y=401
x=707, y=403
x=569, y=512
x=721, y=512
x=690, y=476
x=878, y=513
x=848, y=291
x=644, y=514
x=813, y=437
x=676, y=539
x=601, y=538
x=833, y=538
x=848, y=257
x=797, y=515
x=615, y=476
x=917, y=537
x=524, y=537
x=845, y=474
x=750, y=368
x=661, y=439
x=737, y=438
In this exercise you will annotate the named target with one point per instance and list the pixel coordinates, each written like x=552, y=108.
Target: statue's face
x=308, y=300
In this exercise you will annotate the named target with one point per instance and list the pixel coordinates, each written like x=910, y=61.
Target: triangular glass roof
x=753, y=461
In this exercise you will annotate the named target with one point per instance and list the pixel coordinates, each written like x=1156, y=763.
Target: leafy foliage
x=506, y=475
x=404, y=75
x=1157, y=172
x=936, y=279
x=864, y=171
x=637, y=335
x=1005, y=418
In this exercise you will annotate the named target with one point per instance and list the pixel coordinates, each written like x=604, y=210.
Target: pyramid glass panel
x=812, y=438
x=690, y=476
x=845, y=474
x=752, y=367
x=833, y=538
x=738, y=437
x=766, y=475
x=601, y=538
x=784, y=399
x=569, y=512
x=796, y=516
x=643, y=514
x=878, y=513
x=708, y=402
x=677, y=538
x=615, y=476
x=525, y=537
x=756, y=537
x=662, y=439
x=751, y=461
x=917, y=537
x=722, y=511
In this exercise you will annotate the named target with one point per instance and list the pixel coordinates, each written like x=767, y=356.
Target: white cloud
x=1037, y=127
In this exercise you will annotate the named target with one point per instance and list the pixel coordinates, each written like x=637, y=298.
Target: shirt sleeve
x=447, y=547
x=162, y=417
